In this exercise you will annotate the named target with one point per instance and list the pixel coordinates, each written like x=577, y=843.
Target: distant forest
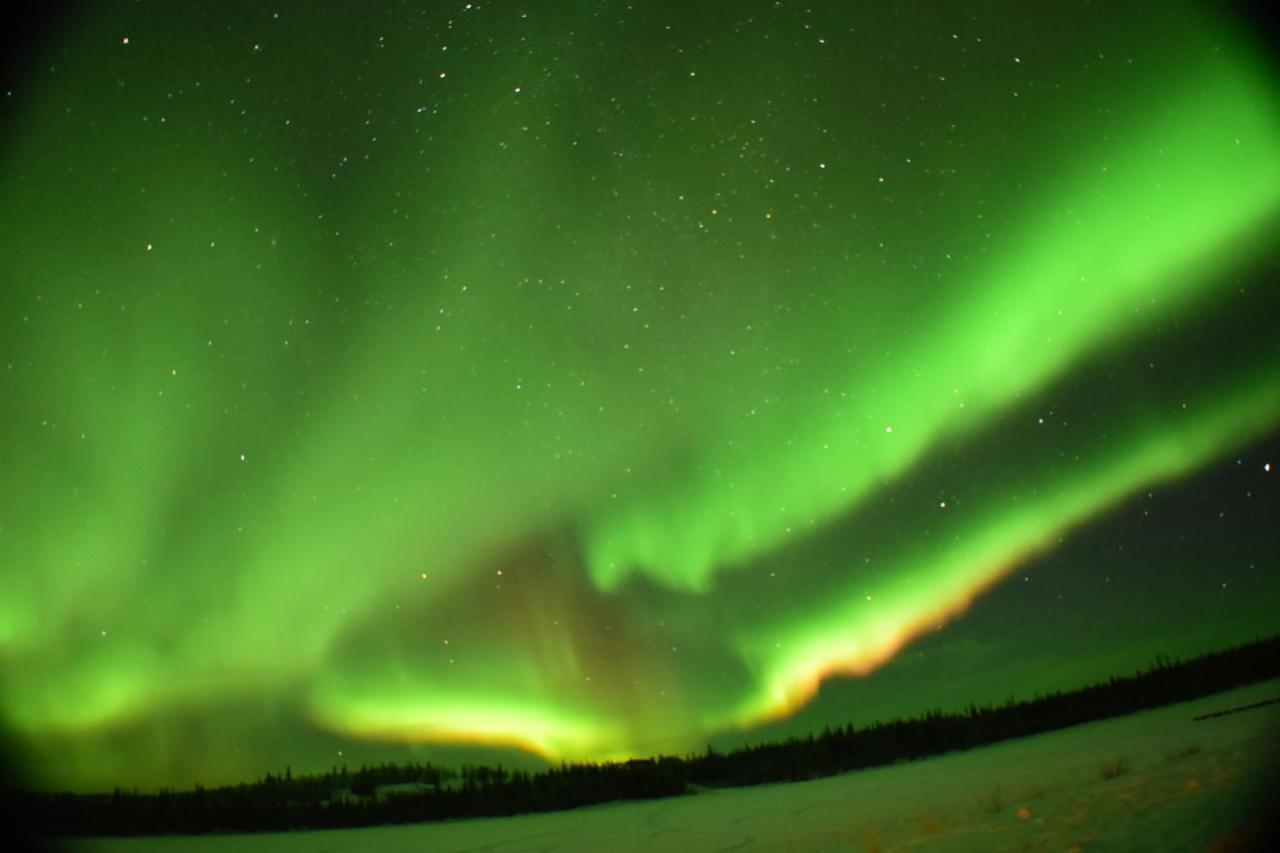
x=422, y=792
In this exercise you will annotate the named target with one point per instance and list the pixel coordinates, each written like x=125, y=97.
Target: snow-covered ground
x=1151, y=781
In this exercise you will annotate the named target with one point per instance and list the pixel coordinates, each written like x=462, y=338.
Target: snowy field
x=1151, y=781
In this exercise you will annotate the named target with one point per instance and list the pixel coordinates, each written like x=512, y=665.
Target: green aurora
x=598, y=380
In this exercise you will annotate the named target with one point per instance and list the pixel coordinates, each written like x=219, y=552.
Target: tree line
x=404, y=793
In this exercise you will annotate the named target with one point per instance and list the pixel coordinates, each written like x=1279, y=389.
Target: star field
x=601, y=379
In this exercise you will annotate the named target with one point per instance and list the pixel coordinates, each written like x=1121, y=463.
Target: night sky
x=587, y=380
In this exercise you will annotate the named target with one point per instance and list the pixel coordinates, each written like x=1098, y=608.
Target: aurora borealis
x=600, y=379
